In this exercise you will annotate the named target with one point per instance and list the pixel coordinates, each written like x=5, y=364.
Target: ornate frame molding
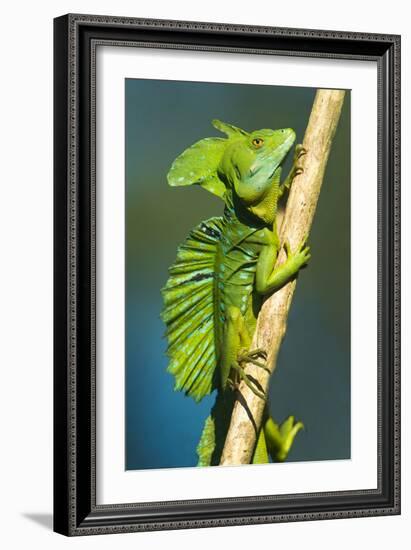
x=76, y=40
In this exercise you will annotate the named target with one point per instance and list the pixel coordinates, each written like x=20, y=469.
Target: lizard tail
x=260, y=455
x=211, y=444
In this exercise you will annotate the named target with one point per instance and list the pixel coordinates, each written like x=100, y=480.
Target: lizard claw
x=303, y=243
x=298, y=153
x=251, y=356
x=300, y=150
x=245, y=354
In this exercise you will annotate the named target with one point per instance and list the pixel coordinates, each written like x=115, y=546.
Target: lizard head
x=251, y=162
x=242, y=169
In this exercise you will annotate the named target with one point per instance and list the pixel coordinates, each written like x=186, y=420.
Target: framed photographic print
x=226, y=275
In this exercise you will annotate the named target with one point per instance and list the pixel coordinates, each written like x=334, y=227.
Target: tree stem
x=272, y=320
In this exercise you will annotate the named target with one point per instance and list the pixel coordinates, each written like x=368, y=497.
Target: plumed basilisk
x=223, y=271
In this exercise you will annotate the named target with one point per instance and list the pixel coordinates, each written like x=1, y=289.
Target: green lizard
x=222, y=272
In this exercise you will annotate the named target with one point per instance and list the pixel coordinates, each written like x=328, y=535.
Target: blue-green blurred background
x=312, y=380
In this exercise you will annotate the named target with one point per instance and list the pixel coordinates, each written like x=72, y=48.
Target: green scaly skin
x=223, y=271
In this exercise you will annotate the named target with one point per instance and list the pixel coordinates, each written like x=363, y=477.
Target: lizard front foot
x=296, y=168
x=299, y=152
x=301, y=256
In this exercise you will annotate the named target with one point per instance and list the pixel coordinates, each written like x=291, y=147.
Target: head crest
x=199, y=163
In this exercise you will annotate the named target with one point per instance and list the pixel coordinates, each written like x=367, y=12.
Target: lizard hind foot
x=251, y=356
x=246, y=354
x=249, y=381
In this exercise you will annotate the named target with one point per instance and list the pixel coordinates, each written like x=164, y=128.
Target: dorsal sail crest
x=189, y=310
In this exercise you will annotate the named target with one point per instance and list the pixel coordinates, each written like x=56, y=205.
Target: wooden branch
x=272, y=320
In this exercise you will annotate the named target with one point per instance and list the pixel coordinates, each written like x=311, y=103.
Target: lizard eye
x=257, y=142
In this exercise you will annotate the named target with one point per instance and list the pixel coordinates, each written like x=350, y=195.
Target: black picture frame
x=75, y=509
